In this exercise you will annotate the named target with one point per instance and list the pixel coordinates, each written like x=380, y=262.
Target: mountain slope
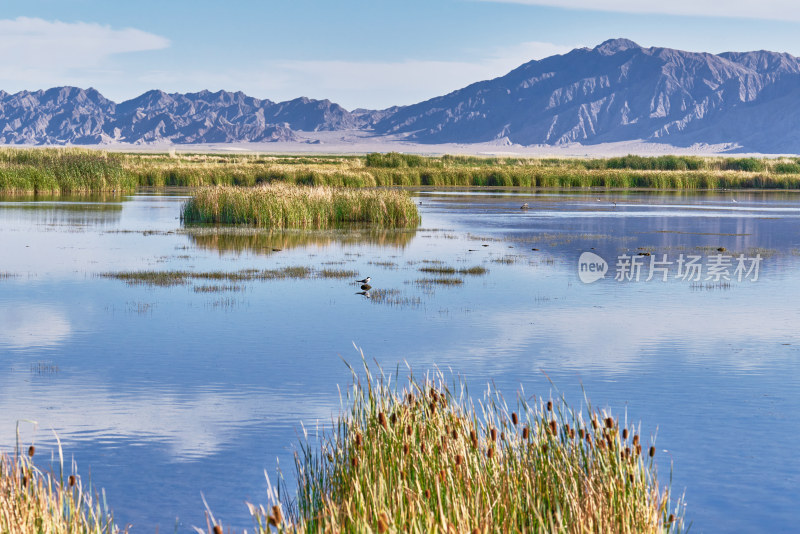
x=614, y=92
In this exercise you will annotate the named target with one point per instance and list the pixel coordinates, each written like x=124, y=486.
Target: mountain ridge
x=616, y=91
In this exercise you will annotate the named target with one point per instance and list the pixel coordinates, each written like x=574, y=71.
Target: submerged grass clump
x=425, y=458
x=439, y=281
x=288, y=206
x=33, y=501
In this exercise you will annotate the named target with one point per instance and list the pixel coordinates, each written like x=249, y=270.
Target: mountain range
x=616, y=91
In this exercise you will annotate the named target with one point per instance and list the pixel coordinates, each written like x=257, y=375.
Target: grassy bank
x=71, y=170
x=32, y=501
x=288, y=206
x=426, y=459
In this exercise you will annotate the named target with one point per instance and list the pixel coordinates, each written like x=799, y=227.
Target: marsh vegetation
x=73, y=170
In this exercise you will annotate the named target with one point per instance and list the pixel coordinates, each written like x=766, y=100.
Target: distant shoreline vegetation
x=25, y=171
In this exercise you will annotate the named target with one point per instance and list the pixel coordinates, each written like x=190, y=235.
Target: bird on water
x=364, y=281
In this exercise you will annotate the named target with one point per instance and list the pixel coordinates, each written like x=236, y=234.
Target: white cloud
x=34, y=51
x=766, y=9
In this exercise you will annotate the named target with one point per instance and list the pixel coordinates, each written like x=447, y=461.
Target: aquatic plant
x=288, y=206
x=425, y=458
x=34, y=501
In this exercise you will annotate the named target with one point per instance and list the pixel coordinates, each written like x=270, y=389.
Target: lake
x=168, y=392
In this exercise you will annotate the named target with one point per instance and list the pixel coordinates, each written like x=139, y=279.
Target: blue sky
x=372, y=53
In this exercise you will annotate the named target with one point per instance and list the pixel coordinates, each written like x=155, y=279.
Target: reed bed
x=63, y=171
x=425, y=458
x=33, y=501
x=278, y=206
x=73, y=170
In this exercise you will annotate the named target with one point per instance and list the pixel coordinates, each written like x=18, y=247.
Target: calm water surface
x=164, y=393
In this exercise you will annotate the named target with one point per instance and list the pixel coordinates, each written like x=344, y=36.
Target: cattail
x=493, y=433
x=549, y=406
x=383, y=523
x=406, y=448
x=525, y=432
x=218, y=529
x=31, y=451
x=473, y=436
x=411, y=398
x=276, y=511
x=514, y=418
x=652, y=451
x=442, y=475
x=427, y=494
x=624, y=433
x=422, y=447
x=393, y=418
x=630, y=477
x=408, y=429
x=354, y=461
x=454, y=434
x=639, y=449
x=490, y=453
x=671, y=518
x=476, y=531
x=382, y=419
x=432, y=407
x=503, y=436
x=433, y=394
x=459, y=459
x=544, y=447
x=627, y=452
x=609, y=422
x=594, y=424
x=71, y=481
x=571, y=433
x=636, y=439
x=359, y=439
x=24, y=481
x=553, y=427
x=601, y=444
x=272, y=521
x=581, y=433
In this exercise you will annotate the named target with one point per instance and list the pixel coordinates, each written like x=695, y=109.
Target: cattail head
x=408, y=429
x=473, y=435
x=359, y=439
x=671, y=518
x=514, y=418
x=382, y=419
x=639, y=448
x=525, y=432
x=627, y=452
x=71, y=481
x=553, y=427
x=490, y=453
x=422, y=447
x=459, y=459
x=571, y=433
x=393, y=418
x=609, y=422
x=594, y=424
x=442, y=475
x=652, y=451
x=432, y=407
x=427, y=494
x=624, y=433
x=582, y=433
x=276, y=512
x=354, y=461
x=454, y=434
x=493, y=433
x=218, y=528
x=24, y=480
x=630, y=478
x=544, y=447
x=406, y=448
x=31, y=451
x=636, y=439
x=503, y=436
x=549, y=406
x=383, y=523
